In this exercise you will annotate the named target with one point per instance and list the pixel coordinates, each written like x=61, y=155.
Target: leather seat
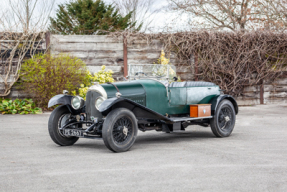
x=191, y=84
x=199, y=84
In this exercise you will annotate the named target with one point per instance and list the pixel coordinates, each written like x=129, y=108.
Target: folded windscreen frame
x=152, y=71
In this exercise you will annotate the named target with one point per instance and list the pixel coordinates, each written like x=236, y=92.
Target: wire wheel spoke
x=225, y=118
x=122, y=130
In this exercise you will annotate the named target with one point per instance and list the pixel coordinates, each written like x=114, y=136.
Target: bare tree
x=233, y=14
x=22, y=30
x=31, y=13
x=143, y=11
x=275, y=12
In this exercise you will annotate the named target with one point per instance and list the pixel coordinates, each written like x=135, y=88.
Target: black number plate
x=73, y=132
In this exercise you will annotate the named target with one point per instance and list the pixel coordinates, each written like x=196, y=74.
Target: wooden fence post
x=125, y=56
x=48, y=41
x=262, y=93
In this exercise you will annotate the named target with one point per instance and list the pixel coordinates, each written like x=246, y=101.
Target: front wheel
x=120, y=130
x=58, y=118
x=223, y=122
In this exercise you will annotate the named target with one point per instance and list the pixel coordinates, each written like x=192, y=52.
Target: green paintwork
x=131, y=90
x=157, y=100
x=155, y=96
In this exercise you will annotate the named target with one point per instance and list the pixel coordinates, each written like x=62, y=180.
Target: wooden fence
x=98, y=50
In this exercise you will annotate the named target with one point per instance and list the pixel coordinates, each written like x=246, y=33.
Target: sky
x=163, y=21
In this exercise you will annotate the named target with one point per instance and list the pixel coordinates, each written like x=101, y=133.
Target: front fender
x=215, y=101
x=64, y=100
x=140, y=111
x=60, y=99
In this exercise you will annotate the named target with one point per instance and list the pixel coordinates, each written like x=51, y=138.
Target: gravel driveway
x=253, y=158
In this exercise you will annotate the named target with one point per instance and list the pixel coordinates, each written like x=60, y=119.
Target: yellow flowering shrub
x=165, y=62
x=101, y=77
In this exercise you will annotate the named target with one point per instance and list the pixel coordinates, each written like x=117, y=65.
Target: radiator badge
x=94, y=119
x=204, y=111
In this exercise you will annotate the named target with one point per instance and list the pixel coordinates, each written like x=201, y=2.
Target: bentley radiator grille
x=90, y=105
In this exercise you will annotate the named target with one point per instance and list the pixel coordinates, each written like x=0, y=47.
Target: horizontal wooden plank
x=143, y=41
x=276, y=94
x=184, y=69
x=87, y=46
x=10, y=79
x=255, y=95
x=83, y=39
x=143, y=55
x=281, y=82
x=95, y=69
x=100, y=62
x=142, y=47
x=92, y=54
x=276, y=101
x=142, y=61
x=251, y=89
x=282, y=88
x=244, y=102
x=186, y=76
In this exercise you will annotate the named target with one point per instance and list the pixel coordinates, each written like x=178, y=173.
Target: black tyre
x=223, y=122
x=58, y=118
x=120, y=130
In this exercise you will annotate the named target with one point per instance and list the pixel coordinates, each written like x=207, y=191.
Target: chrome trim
x=98, y=88
x=96, y=101
x=82, y=102
x=179, y=119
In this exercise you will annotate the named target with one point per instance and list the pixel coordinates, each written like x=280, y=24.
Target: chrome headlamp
x=99, y=101
x=77, y=102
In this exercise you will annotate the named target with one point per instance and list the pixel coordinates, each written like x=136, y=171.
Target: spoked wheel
x=224, y=118
x=59, y=117
x=120, y=130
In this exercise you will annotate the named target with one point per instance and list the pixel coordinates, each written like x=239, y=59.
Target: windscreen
x=151, y=71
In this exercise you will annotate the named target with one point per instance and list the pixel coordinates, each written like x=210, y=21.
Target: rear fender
x=215, y=102
x=140, y=111
x=65, y=100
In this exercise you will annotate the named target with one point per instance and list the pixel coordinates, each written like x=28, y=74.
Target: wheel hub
x=122, y=130
x=125, y=131
x=227, y=118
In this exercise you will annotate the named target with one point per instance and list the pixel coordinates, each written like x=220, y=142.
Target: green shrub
x=25, y=106
x=45, y=76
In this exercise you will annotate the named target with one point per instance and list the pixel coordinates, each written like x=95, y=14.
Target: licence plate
x=73, y=132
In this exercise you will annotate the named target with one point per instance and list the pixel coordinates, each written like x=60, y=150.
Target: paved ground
x=254, y=158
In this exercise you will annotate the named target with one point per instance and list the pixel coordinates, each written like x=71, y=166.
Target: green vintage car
x=148, y=100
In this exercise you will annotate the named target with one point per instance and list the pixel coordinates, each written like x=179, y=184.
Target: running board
x=179, y=119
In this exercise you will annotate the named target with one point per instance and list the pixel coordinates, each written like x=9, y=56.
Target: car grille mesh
x=90, y=105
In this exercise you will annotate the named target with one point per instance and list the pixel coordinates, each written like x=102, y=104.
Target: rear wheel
x=58, y=118
x=120, y=130
x=223, y=122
